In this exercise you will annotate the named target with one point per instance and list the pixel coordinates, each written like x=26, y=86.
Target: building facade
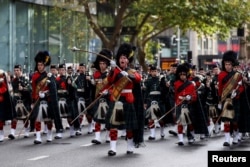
x=29, y=26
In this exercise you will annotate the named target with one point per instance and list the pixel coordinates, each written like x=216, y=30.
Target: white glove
x=1, y=80
x=69, y=81
x=188, y=97
x=219, y=106
x=181, y=97
x=49, y=74
x=124, y=73
x=20, y=87
x=233, y=95
x=193, y=83
x=112, y=63
x=41, y=94
x=32, y=106
x=105, y=92
x=240, y=83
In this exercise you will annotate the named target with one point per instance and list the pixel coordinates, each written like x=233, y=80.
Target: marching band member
x=84, y=86
x=229, y=90
x=101, y=85
x=185, y=96
x=213, y=99
x=122, y=114
x=21, y=100
x=171, y=77
x=62, y=105
x=6, y=108
x=199, y=116
x=40, y=95
x=155, y=101
x=244, y=123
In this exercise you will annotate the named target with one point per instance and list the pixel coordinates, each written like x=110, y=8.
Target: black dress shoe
x=111, y=153
x=95, y=141
x=151, y=138
x=37, y=142
x=180, y=143
x=78, y=133
x=130, y=152
x=11, y=136
x=172, y=132
x=57, y=137
x=107, y=141
x=226, y=144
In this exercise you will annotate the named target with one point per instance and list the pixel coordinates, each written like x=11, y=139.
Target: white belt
x=126, y=91
x=62, y=91
x=155, y=93
x=80, y=90
x=17, y=94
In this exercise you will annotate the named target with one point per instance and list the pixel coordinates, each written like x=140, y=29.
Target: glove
x=1, y=80
x=32, y=106
x=124, y=73
x=181, y=97
x=105, y=92
x=240, y=83
x=41, y=94
x=233, y=95
x=112, y=63
x=219, y=106
x=20, y=87
x=188, y=97
x=49, y=74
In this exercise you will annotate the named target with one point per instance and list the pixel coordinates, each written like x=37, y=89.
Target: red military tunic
x=188, y=90
x=221, y=84
x=3, y=90
x=35, y=82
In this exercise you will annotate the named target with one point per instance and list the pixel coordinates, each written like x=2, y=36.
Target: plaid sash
x=232, y=82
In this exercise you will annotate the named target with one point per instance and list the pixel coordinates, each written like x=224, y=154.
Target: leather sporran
x=228, y=109
x=213, y=113
x=43, y=112
x=63, y=108
x=153, y=112
x=184, y=118
x=117, y=117
x=21, y=110
x=102, y=109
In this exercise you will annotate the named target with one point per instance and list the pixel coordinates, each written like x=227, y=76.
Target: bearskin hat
x=18, y=66
x=182, y=68
x=126, y=50
x=44, y=57
x=229, y=56
x=62, y=66
x=104, y=53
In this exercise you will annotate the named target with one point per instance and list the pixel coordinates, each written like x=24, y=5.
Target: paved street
x=79, y=152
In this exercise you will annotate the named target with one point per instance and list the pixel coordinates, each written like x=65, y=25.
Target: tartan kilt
x=95, y=108
x=72, y=108
x=130, y=118
x=199, y=118
x=244, y=115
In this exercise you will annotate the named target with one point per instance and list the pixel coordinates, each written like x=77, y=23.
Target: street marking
x=86, y=145
x=37, y=158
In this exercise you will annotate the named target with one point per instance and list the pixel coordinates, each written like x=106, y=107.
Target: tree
x=206, y=17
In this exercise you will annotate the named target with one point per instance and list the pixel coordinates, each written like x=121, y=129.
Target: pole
x=178, y=44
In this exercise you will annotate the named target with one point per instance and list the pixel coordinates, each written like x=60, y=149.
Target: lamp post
x=242, y=39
